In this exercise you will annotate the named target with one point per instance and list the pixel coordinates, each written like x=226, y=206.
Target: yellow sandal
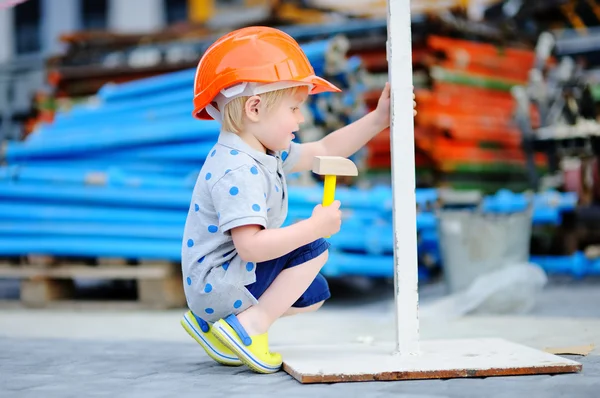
x=253, y=351
x=201, y=331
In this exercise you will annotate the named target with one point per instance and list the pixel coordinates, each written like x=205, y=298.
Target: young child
x=241, y=271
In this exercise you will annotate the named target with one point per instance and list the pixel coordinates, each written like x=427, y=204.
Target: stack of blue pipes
x=113, y=178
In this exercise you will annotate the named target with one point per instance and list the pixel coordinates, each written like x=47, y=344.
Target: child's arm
x=256, y=245
x=349, y=139
x=239, y=198
x=342, y=142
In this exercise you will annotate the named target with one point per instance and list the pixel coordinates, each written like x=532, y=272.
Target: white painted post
x=403, y=177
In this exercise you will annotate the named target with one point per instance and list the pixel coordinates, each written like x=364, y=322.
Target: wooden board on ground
x=441, y=359
x=159, y=283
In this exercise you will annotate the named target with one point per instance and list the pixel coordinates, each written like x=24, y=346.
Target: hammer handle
x=329, y=191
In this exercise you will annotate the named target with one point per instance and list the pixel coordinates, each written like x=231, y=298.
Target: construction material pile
x=465, y=134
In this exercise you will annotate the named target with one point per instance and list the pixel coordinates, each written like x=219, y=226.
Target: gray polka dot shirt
x=237, y=186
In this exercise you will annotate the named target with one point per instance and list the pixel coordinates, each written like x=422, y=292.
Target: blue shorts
x=267, y=271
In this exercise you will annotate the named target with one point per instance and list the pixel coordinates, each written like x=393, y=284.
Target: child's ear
x=251, y=108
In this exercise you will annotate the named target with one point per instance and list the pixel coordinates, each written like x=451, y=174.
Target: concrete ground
x=125, y=352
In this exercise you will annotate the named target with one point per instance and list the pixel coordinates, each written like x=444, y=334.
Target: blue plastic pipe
x=95, y=195
x=159, y=133
x=121, y=109
x=96, y=229
x=45, y=212
x=109, y=176
x=74, y=126
x=174, y=169
x=134, y=89
x=92, y=247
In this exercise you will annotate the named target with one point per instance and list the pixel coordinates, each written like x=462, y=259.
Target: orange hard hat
x=254, y=54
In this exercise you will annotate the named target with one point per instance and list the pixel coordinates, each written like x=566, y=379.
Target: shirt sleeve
x=239, y=198
x=290, y=157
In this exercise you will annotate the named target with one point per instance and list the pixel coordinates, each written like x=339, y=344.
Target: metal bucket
x=473, y=243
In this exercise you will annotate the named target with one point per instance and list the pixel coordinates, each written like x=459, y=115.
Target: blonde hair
x=234, y=110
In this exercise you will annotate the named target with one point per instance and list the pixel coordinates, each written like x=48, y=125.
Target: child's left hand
x=383, y=106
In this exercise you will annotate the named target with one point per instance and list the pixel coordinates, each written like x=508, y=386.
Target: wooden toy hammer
x=330, y=167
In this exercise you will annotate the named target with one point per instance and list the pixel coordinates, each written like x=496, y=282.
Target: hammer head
x=334, y=165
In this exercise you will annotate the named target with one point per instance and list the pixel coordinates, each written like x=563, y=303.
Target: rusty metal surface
x=418, y=375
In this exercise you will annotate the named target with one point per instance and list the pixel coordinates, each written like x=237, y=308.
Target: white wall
x=136, y=16
x=6, y=35
x=58, y=17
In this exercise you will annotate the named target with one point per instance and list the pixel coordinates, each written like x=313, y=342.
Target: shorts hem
x=314, y=300
x=310, y=254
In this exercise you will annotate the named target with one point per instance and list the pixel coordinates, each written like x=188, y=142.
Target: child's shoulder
x=223, y=161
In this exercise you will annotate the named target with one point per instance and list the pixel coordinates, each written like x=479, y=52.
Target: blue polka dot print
x=196, y=207
x=213, y=153
x=203, y=325
x=276, y=188
x=190, y=243
x=228, y=253
x=189, y=280
x=209, y=310
x=213, y=229
x=227, y=171
x=237, y=304
x=201, y=259
x=208, y=288
x=226, y=265
x=234, y=191
x=255, y=207
x=234, y=152
x=249, y=266
x=254, y=170
x=208, y=176
x=284, y=155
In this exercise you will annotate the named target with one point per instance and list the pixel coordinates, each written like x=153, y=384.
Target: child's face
x=280, y=123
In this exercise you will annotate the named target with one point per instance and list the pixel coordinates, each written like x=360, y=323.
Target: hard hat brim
x=319, y=84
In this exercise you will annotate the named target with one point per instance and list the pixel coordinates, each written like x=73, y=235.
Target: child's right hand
x=327, y=219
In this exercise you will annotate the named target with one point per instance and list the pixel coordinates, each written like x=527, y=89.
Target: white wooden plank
x=437, y=359
x=403, y=177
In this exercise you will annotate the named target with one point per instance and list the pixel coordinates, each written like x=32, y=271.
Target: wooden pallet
x=46, y=280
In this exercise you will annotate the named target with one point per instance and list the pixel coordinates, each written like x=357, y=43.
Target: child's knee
x=304, y=310
x=316, y=306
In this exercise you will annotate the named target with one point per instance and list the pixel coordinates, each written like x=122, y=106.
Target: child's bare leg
x=281, y=295
x=302, y=310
